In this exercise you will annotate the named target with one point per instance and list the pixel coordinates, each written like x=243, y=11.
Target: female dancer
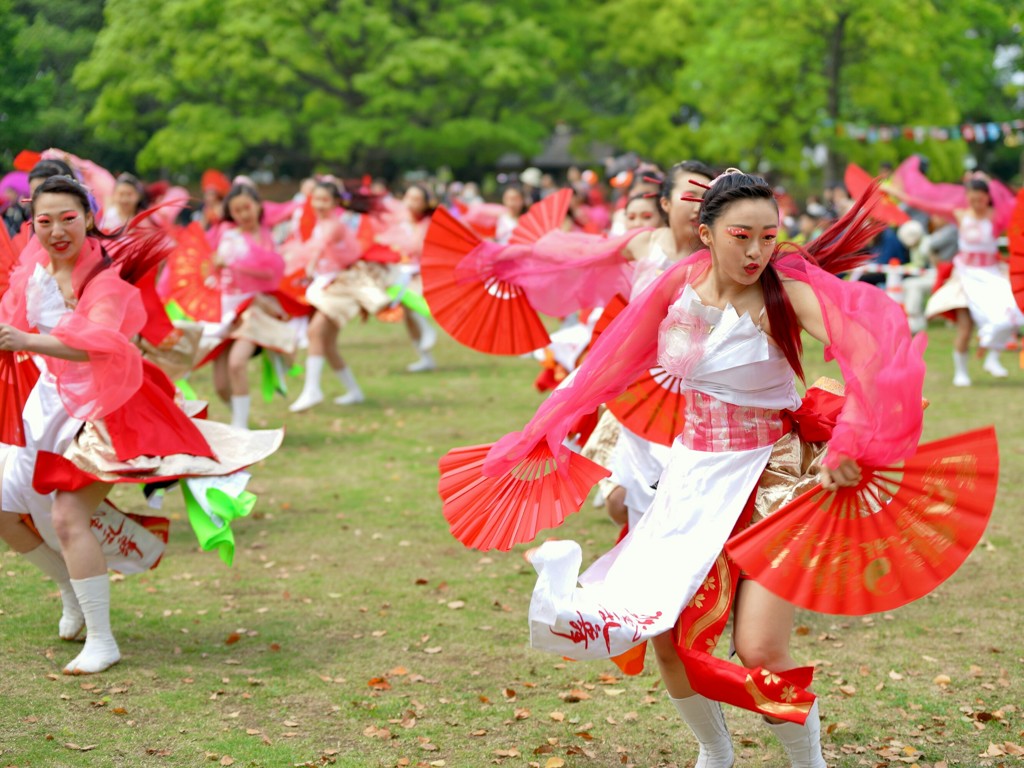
x=726, y=322
x=637, y=463
x=515, y=206
x=97, y=415
x=342, y=287
x=125, y=203
x=250, y=269
x=403, y=232
x=978, y=290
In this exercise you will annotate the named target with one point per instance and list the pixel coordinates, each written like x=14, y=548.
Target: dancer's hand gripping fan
x=885, y=542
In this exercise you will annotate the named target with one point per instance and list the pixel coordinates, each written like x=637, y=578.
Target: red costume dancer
x=97, y=414
x=250, y=270
x=343, y=286
x=725, y=323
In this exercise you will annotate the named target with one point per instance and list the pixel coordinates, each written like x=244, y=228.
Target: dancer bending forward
x=726, y=322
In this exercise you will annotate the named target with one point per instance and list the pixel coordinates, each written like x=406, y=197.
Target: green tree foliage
x=344, y=81
x=20, y=99
x=43, y=41
x=756, y=82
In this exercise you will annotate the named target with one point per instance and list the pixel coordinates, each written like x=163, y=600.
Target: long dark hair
x=241, y=190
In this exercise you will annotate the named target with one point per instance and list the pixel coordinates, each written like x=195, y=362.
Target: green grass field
x=354, y=631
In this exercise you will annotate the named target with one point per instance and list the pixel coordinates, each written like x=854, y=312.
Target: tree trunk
x=833, y=73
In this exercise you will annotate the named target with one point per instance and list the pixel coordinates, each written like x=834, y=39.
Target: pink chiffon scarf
x=883, y=367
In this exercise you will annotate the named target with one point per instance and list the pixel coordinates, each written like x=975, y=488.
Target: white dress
x=981, y=284
x=637, y=463
x=735, y=389
x=128, y=546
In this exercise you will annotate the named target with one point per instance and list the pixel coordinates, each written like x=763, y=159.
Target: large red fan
x=500, y=512
x=490, y=316
x=857, y=181
x=546, y=216
x=890, y=540
x=1015, y=235
x=18, y=374
x=8, y=259
x=195, y=284
x=653, y=406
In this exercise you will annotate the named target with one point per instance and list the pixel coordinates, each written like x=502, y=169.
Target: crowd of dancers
x=681, y=293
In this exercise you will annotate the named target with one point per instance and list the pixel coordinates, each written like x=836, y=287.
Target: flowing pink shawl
x=560, y=273
x=942, y=199
x=108, y=314
x=882, y=365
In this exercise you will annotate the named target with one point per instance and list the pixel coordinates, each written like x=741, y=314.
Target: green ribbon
x=213, y=528
x=410, y=300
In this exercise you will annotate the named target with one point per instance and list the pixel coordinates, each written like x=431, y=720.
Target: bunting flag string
x=1009, y=132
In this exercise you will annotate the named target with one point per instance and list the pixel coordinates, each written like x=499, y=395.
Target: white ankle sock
x=705, y=719
x=348, y=379
x=100, y=651
x=961, y=378
x=992, y=364
x=428, y=335
x=802, y=742
x=52, y=564
x=311, y=393
x=240, y=411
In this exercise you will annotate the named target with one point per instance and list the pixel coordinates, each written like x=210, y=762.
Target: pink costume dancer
x=402, y=228
x=342, y=286
x=250, y=269
x=727, y=324
x=98, y=414
x=978, y=290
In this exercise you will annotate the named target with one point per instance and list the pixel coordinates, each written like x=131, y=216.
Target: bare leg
x=964, y=327
x=672, y=670
x=221, y=381
x=763, y=626
x=18, y=536
x=238, y=357
x=616, y=503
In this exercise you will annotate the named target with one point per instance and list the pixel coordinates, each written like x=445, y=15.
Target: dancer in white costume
x=727, y=323
x=979, y=289
x=637, y=463
x=97, y=415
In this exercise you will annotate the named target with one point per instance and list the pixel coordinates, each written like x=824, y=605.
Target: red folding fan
x=307, y=221
x=890, y=540
x=543, y=217
x=1015, y=234
x=857, y=181
x=195, y=284
x=653, y=406
x=18, y=374
x=487, y=315
x=500, y=512
x=26, y=160
x=8, y=259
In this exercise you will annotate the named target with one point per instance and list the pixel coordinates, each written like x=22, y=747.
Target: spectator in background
x=934, y=254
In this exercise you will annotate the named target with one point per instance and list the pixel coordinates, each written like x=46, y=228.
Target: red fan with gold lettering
x=500, y=512
x=195, y=284
x=883, y=543
x=18, y=374
x=1015, y=236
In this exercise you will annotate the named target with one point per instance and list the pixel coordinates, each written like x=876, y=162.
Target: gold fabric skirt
x=361, y=287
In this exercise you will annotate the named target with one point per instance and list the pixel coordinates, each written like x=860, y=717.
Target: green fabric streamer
x=225, y=508
x=175, y=312
x=186, y=389
x=410, y=300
